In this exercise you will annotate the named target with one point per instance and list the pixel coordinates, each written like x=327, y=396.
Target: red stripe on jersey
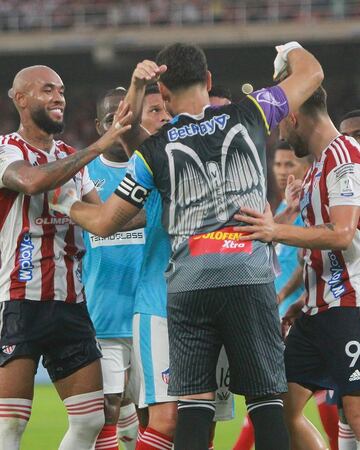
x=70, y=254
x=18, y=286
x=7, y=199
x=47, y=264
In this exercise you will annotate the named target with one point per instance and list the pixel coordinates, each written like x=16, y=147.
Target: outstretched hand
x=261, y=226
x=147, y=72
x=121, y=124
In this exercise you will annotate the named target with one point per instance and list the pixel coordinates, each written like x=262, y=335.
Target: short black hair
x=282, y=145
x=186, y=66
x=316, y=104
x=118, y=91
x=152, y=89
x=220, y=91
x=351, y=114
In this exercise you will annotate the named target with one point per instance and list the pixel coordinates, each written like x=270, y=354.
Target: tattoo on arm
x=330, y=226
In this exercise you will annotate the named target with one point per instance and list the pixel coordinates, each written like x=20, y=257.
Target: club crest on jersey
x=165, y=375
x=8, y=349
x=99, y=184
x=203, y=128
x=26, y=258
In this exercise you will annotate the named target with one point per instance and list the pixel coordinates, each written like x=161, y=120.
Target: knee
x=163, y=418
x=112, y=404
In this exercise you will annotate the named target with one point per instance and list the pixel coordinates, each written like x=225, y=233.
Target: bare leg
x=303, y=434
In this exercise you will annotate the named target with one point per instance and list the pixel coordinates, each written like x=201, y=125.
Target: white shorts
x=115, y=362
x=151, y=348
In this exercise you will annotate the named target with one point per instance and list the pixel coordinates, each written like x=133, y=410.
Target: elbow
x=31, y=188
x=344, y=240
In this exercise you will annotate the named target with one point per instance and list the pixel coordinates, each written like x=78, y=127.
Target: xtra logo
x=8, y=349
x=165, y=375
x=335, y=282
x=25, y=259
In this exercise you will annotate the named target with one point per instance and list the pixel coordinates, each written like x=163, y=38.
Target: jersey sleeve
x=343, y=185
x=272, y=104
x=138, y=181
x=8, y=155
x=87, y=184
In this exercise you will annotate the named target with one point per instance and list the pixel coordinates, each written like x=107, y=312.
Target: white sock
x=14, y=416
x=127, y=426
x=346, y=438
x=357, y=445
x=86, y=419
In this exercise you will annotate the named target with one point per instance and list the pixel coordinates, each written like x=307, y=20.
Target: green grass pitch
x=48, y=422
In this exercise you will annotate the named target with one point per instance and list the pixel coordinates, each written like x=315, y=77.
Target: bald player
x=350, y=124
x=42, y=307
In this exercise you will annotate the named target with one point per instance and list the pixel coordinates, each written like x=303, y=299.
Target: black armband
x=132, y=192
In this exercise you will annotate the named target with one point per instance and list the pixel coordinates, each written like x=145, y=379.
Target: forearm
x=137, y=134
x=294, y=283
x=105, y=219
x=36, y=180
x=139, y=221
x=322, y=237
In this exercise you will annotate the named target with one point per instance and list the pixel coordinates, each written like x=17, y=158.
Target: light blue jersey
x=152, y=291
x=288, y=260
x=111, y=266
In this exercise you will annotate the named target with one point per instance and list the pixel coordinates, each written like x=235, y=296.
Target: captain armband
x=132, y=192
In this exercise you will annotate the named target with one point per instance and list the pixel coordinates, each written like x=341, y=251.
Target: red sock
x=141, y=431
x=330, y=419
x=107, y=439
x=153, y=440
x=246, y=439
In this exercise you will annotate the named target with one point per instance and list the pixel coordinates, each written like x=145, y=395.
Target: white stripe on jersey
x=43, y=276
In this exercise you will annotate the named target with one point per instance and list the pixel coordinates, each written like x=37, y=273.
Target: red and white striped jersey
x=332, y=278
x=41, y=249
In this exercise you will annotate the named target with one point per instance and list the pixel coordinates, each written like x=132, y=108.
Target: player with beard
x=323, y=345
x=350, y=124
x=42, y=304
x=206, y=163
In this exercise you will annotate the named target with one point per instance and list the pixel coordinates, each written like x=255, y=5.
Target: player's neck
x=322, y=135
x=36, y=137
x=116, y=155
x=192, y=101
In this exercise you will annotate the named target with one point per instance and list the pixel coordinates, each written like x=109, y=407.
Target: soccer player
x=323, y=345
x=285, y=165
x=206, y=163
x=42, y=307
x=350, y=124
x=150, y=323
x=111, y=269
x=219, y=96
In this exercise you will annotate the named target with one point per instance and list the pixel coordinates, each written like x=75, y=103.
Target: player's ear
x=208, y=80
x=20, y=99
x=164, y=91
x=98, y=126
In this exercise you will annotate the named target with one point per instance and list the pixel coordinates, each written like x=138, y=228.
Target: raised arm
x=146, y=72
x=304, y=74
x=21, y=176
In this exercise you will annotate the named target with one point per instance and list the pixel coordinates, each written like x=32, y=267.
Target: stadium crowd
x=177, y=347
x=43, y=14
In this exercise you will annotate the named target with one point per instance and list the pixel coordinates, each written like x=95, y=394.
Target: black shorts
x=60, y=332
x=245, y=320
x=323, y=351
